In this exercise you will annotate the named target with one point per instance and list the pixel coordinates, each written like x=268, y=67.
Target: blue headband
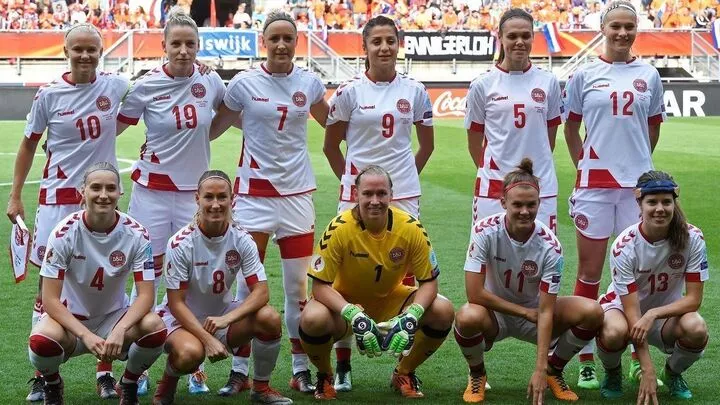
x=657, y=187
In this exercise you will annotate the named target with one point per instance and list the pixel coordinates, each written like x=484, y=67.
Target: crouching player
x=204, y=259
x=512, y=278
x=90, y=255
x=652, y=261
x=357, y=273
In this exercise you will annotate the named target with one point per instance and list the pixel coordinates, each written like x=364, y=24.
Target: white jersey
x=207, y=267
x=380, y=116
x=95, y=266
x=653, y=270
x=177, y=112
x=617, y=101
x=515, y=272
x=514, y=110
x=81, y=124
x=274, y=160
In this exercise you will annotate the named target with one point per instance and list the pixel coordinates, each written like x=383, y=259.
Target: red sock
x=261, y=385
x=587, y=289
x=343, y=354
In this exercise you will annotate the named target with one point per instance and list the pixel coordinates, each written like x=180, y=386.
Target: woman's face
x=381, y=46
x=620, y=30
x=280, y=39
x=101, y=192
x=83, y=49
x=657, y=210
x=181, y=46
x=517, y=40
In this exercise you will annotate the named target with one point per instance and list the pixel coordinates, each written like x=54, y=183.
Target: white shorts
x=410, y=205
x=46, y=218
x=600, y=213
x=547, y=213
x=101, y=326
x=282, y=216
x=173, y=324
x=611, y=301
x=515, y=327
x=162, y=213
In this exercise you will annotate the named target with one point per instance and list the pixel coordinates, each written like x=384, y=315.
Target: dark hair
x=378, y=21
x=214, y=173
x=373, y=170
x=522, y=175
x=511, y=13
x=678, y=235
x=278, y=15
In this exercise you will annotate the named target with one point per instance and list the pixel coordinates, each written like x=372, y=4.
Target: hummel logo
x=264, y=100
x=644, y=271
x=500, y=98
x=161, y=98
x=64, y=113
x=79, y=257
x=363, y=255
x=205, y=263
x=500, y=259
x=367, y=107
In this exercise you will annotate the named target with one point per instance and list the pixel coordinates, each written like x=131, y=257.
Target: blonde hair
x=278, y=15
x=212, y=174
x=83, y=27
x=177, y=17
x=617, y=4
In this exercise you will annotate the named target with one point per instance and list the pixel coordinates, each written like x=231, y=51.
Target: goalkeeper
x=357, y=274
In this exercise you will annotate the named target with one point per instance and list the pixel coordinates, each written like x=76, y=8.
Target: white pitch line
x=125, y=170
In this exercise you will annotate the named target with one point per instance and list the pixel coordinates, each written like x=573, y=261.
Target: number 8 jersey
x=380, y=116
x=81, y=124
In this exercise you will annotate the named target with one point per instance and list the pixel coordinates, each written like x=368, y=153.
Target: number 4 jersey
x=81, y=124
x=653, y=270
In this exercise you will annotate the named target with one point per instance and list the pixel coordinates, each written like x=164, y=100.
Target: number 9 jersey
x=380, y=116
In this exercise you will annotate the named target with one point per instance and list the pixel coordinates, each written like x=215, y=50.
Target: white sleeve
x=476, y=260
x=234, y=95
x=318, y=90
x=219, y=90
x=475, y=108
x=177, y=268
x=555, y=103
x=341, y=105
x=423, y=108
x=573, y=95
x=133, y=105
x=697, y=267
x=122, y=86
x=57, y=257
x=552, y=272
x=252, y=268
x=142, y=262
x=37, y=119
x=656, y=114
x=622, y=268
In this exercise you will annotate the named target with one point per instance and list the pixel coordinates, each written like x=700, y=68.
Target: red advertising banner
x=147, y=44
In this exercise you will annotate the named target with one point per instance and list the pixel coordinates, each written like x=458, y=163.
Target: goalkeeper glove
x=401, y=330
x=367, y=335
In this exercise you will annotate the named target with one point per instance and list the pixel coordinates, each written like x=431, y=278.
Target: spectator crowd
x=352, y=14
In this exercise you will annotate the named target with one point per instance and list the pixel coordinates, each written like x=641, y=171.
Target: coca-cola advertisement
x=448, y=102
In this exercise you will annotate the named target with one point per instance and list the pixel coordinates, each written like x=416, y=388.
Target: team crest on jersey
x=397, y=254
x=232, y=259
x=581, y=222
x=538, y=95
x=676, y=261
x=403, y=106
x=103, y=103
x=317, y=263
x=117, y=259
x=41, y=252
x=640, y=85
x=529, y=268
x=299, y=99
x=198, y=90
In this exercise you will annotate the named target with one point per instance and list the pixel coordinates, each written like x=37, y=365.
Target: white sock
x=473, y=348
x=265, y=354
x=682, y=358
x=295, y=286
x=45, y=354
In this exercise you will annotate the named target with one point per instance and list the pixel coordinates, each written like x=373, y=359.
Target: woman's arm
x=222, y=120
x=477, y=294
x=320, y=111
x=23, y=163
x=475, y=144
x=334, y=134
x=572, y=138
x=426, y=141
x=259, y=297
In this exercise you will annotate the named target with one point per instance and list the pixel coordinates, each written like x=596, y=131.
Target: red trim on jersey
x=184, y=285
x=375, y=81
x=482, y=151
x=632, y=287
x=692, y=277
x=252, y=280
x=608, y=298
x=602, y=58
x=497, y=65
x=554, y=122
x=483, y=268
x=46, y=169
x=477, y=127
x=593, y=154
x=493, y=165
x=655, y=119
x=262, y=187
x=35, y=136
x=155, y=181
x=572, y=116
x=477, y=187
x=61, y=174
x=495, y=188
x=262, y=65
x=84, y=219
x=236, y=186
x=138, y=276
x=544, y=287
x=642, y=233
x=167, y=72
x=127, y=120
x=296, y=246
x=353, y=170
x=62, y=196
x=352, y=193
x=67, y=78
x=600, y=178
x=253, y=163
x=61, y=274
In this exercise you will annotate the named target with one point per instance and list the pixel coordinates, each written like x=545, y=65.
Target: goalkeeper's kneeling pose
x=357, y=273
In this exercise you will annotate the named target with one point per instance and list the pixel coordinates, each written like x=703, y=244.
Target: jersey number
x=378, y=271
x=92, y=129
x=190, y=115
x=629, y=95
x=519, y=115
x=388, y=125
x=520, y=277
x=283, y=109
x=218, y=281
x=658, y=283
x=98, y=278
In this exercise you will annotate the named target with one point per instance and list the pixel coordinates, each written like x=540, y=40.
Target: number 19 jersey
x=80, y=119
x=380, y=116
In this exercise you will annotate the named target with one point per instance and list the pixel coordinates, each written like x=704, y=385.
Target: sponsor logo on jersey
x=397, y=254
x=403, y=106
x=317, y=263
x=64, y=113
x=161, y=98
x=529, y=268
x=500, y=259
x=205, y=263
x=261, y=99
x=600, y=86
x=198, y=90
x=676, y=261
x=581, y=221
x=299, y=99
x=644, y=270
x=500, y=98
x=103, y=103
x=363, y=255
x=232, y=259
x=117, y=258
x=538, y=95
x=79, y=257
x=640, y=85
x=365, y=107
x=41, y=252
